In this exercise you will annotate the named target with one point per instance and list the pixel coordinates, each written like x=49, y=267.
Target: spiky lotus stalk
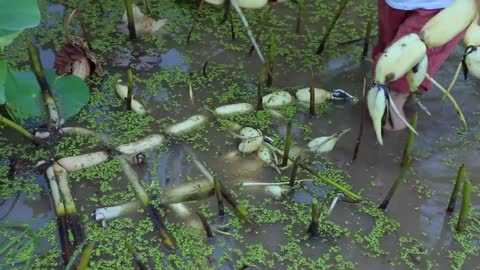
x=466, y=205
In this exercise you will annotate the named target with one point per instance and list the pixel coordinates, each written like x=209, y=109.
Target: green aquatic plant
x=15, y=18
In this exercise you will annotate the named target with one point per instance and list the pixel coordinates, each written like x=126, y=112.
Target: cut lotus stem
x=194, y=21
x=242, y=212
x=19, y=129
x=55, y=191
x=331, y=182
x=61, y=176
x=293, y=175
x=312, y=95
x=62, y=180
x=454, y=80
x=366, y=41
x=205, y=224
x=225, y=193
x=454, y=102
x=263, y=25
x=396, y=184
x=458, y=183
x=466, y=205
x=132, y=177
x=60, y=212
x=288, y=142
x=261, y=82
x=315, y=214
x=131, y=21
x=272, y=51
x=363, y=111
x=410, y=141
x=301, y=5
x=232, y=25
x=167, y=239
x=322, y=178
x=86, y=255
x=130, y=89
x=36, y=65
x=136, y=258
x=256, y=184
x=218, y=195
x=249, y=32
x=342, y=6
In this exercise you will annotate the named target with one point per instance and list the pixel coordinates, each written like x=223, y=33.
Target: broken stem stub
x=458, y=182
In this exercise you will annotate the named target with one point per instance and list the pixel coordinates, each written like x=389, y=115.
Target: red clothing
x=394, y=24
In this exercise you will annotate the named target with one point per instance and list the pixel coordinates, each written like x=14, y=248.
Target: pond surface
x=413, y=233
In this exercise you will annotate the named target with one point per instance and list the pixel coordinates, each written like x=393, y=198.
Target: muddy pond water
x=413, y=233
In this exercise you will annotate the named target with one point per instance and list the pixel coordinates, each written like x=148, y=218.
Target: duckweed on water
x=414, y=254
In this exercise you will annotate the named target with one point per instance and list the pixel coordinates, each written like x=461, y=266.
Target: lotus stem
x=454, y=80
x=132, y=177
x=466, y=205
x=249, y=32
x=218, y=195
x=313, y=228
x=288, y=142
x=67, y=249
x=261, y=81
x=239, y=209
x=321, y=177
x=61, y=177
x=204, y=68
x=293, y=175
x=301, y=5
x=256, y=184
x=232, y=25
x=137, y=259
x=410, y=141
x=131, y=21
x=36, y=65
x=18, y=128
x=312, y=95
x=458, y=182
x=342, y=6
x=263, y=25
x=62, y=180
x=197, y=16
x=130, y=89
x=85, y=259
x=362, y=117
x=454, y=102
x=225, y=193
x=366, y=42
x=167, y=239
x=272, y=51
x=403, y=173
x=147, y=7
x=84, y=28
x=205, y=224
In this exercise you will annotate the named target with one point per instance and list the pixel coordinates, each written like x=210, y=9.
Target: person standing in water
x=397, y=18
